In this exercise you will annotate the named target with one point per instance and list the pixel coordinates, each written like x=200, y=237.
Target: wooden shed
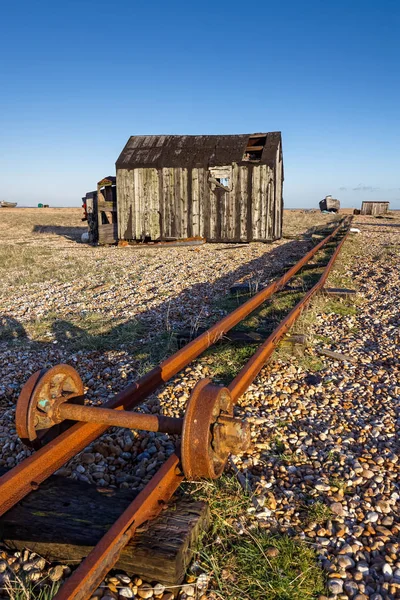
x=225, y=188
x=374, y=208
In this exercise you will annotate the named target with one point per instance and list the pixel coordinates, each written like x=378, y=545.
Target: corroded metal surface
x=120, y=418
x=38, y=398
x=32, y=471
x=209, y=432
x=251, y=369
x=146, y=506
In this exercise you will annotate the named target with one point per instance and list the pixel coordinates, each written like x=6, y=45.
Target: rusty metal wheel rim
x=200, y=460
x=59, y=382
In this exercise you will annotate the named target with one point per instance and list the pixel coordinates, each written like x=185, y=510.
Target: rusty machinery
x=209, y=431
x=52, y=404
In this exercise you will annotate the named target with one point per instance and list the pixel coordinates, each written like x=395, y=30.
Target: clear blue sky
x=78, y=77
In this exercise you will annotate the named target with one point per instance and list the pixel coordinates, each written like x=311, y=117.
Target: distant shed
x=374, y=208
x=226, y=188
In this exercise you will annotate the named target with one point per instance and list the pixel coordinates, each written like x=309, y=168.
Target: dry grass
x=241, y=565
x=297, y=222
x=40, y=245
x=40, y=225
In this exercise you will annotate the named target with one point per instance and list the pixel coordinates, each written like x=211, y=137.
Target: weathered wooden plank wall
x=374, y=208
x=180, y=202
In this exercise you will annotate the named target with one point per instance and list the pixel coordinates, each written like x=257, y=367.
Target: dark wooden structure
x=329, y=204
x=107, y=210
x=160, y=551
x=100, y=208
x=225, y=188
x=374, y=208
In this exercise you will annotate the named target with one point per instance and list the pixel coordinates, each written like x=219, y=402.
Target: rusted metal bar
x=251, y=369
x=146, y=506
x=90, y=573
x=118, y=418
x=161, y=487
x=26, y=476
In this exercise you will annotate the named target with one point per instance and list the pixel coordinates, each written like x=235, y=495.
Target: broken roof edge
x=158, y=151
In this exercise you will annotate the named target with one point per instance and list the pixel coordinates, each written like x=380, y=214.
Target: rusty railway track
x=209, y=432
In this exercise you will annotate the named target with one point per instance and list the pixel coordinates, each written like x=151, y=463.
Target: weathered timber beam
x=339, y=292
x=64, y=519
x=336, y=355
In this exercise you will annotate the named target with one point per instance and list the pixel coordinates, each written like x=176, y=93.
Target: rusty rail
x=146, y=506
x=91, y=572
x=35, y=469
x=25, y=477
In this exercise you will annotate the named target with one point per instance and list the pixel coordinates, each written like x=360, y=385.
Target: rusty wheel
x=43, y=391
x=203, y=454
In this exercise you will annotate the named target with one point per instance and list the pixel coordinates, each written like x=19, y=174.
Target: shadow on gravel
x=264, y=268
x=382, y=224
x=150, y=336
x=70, y=233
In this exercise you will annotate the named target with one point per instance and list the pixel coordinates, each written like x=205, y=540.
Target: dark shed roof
x=192, y=150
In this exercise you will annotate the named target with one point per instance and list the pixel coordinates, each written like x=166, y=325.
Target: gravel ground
x=324, y=461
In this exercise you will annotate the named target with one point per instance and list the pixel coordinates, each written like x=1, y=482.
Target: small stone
x=271, y=552
x=123, y=578
x=55, y=573
x=335, y=586
x=350, y=588
x=387, y=570
x=367, y=474
x=345, y=562
x=34, y=575
x=371, y=517
x=126, y=592
x=88, y=458
x=145, y=591
x=322, y=487
x=189, y=590
x=168, y=596
x=337, y=508
x=362, y=567
x=159, y=589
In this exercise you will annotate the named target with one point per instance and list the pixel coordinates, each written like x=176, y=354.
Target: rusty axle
x=120, y=418
x=209, y=430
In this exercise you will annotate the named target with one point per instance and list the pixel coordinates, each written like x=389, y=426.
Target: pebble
x=126, y=592
x=335, y=586
x=145, y=591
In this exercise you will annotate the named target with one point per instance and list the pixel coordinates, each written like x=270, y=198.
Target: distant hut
x=329, y=204
x=374, y=208
x=225, y=188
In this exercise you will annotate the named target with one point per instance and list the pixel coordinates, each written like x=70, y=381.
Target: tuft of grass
x=318, y=512
x=337, y=482
x=88, y=331
x=226, y=360
x=291, y=575
x=340, y=308
x=323, y=338
x=303, y=357
x=19, y=589
x=278, y=445
x=254, y=564
x=26, y=265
